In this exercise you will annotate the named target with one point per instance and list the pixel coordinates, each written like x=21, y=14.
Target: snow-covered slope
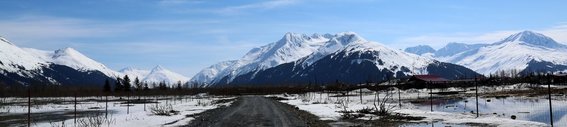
x=14, y=59
x=206, y=75
x=65, y=66
x=74, y=59
x=135, y=73
x=30, y=59
x=454, y=48
x=523, y=52
x=335, y=43
x=349, y=58
x=420, y=49
x=291, y=47
x=156, y=75
x=389, y=58
x=514, y=53
x=160, y=74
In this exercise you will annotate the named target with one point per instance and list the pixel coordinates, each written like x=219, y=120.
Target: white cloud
x=558, y=33
x=192, y=6
x=40, y=28
x=176, y=2
x=261, y=5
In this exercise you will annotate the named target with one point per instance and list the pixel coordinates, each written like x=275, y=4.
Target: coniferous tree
x=138, y=84
x=106, y=88
x=126, y=83
x=178, y=85
x=146, y=88
x=118, y=85
x=162, y=86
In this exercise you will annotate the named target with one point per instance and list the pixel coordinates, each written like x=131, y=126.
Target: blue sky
x=188, y=35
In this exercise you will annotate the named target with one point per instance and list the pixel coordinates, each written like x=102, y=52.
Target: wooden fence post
x=476, y=95
x=75, y=111
x=106, y=107
x=549, y=98
x=29, y=107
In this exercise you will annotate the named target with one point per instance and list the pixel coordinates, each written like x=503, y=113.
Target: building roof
x=432, y=78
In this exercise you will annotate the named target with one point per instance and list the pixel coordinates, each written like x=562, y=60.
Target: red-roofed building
x=421, y=81
x=428, y=78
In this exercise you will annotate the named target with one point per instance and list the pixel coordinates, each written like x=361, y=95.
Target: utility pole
x=106, y=107
x=476, y=94
x=29, y=106
x=75, y=112
x=430, y=96
x=549, y=98
x=399, y=95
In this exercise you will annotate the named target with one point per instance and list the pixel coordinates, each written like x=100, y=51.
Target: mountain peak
x=533, y=38
x=349, y=37
x=420, y=49
x=128, y=69
x=160, y=74
x=293, y=37
x=158, y=68
x=5, y=40
x=70, y=52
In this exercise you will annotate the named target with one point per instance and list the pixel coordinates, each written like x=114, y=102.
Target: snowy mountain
x=160, y=74
x=135, y=73
x=448, y=50
x=206, y=75
x=156, y=75
x=525, y=52
x=291, y=47
x=454, y=48
x=74, y=59
x=420, y=49
x=65, y=66
x=349, y=58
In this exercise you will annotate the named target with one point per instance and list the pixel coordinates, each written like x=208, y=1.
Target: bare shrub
x=96, y=120
x=366, y=110
x=163, y=110
x=350, y=114
x=382, y=107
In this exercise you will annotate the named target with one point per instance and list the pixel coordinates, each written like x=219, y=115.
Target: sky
x=188, y=35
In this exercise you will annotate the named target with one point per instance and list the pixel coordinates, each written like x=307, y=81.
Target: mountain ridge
x=349, y=58
x=523, y=51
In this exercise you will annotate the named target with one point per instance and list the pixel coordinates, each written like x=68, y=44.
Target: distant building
x=421, y=81
x=559, y=78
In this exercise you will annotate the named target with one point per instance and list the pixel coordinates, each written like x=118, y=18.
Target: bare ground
x=256, y=111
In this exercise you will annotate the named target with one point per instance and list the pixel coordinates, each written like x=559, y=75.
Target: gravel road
x=256, y=111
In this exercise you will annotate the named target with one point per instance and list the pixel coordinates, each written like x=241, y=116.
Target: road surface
x=255, y=111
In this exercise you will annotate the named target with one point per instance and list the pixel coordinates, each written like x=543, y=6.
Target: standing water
x=523, y=108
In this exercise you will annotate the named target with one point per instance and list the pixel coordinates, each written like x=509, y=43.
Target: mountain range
x=524, y=52
x=303, y=59
x=157, y=74
x=67, y=66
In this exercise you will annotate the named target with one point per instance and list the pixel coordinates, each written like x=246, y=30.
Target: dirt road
x=256, y=111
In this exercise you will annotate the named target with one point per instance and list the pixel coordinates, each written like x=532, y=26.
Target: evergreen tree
x=178, y=85
x=162, y=86
x=106, y=88
x=118, y=85
x=146, y=88
x=155, y=85
x=138, y=84
x=126, y=83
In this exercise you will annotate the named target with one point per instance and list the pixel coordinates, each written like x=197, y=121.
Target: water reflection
x=531, y=109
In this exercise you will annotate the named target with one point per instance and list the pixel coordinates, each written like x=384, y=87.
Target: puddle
x=523, y=108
